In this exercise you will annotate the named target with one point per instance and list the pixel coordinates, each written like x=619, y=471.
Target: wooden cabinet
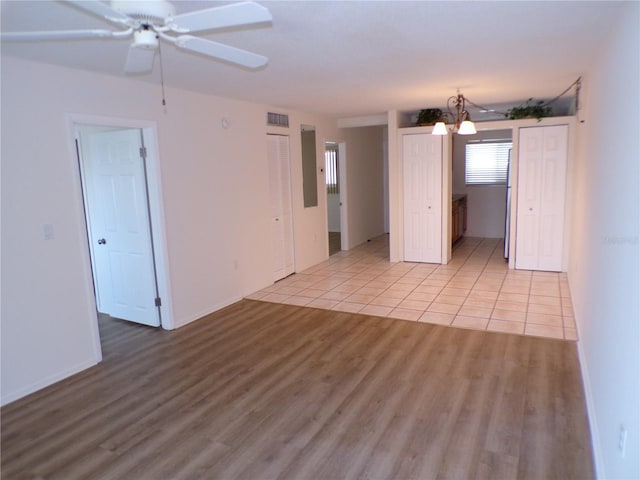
x=459, y=217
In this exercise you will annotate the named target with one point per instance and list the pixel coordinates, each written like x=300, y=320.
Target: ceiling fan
x=153, y=20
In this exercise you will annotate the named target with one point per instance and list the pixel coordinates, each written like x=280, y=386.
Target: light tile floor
x=475, y=290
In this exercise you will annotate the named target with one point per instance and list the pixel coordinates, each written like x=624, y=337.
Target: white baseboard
x=196, y=316
x=593, y=425
x=45, y=382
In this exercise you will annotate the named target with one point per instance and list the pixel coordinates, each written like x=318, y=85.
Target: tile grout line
x=495, y=302
x=370, y=266
x=476, y=281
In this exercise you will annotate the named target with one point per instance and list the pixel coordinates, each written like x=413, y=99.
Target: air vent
x=277, y=119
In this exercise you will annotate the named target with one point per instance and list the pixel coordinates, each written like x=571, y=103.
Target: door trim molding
x=344, y=197
x=158, y=232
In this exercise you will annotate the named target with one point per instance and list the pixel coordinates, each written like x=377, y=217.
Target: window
x=331, y=167
x=486, y=163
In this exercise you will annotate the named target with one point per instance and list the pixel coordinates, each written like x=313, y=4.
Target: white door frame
x=385, y=178
x=342, y=188
x=340, y=196
x=158, y=232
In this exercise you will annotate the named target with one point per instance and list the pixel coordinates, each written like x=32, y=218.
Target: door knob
x=102, y=241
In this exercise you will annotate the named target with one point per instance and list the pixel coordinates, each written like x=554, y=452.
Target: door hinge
x=143, y=152
x=158, y=302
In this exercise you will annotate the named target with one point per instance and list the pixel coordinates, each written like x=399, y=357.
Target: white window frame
x=487, y=162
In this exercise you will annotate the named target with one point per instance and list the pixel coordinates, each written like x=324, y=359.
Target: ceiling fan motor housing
x=147, y=39
x=150, y=12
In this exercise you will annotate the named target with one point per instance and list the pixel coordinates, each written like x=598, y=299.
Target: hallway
x=476, y=290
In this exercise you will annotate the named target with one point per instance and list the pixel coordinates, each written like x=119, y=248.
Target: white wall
x=485, y=203
x=310, y=224
x=365, y=187
x=215, y=192
x=604, y=266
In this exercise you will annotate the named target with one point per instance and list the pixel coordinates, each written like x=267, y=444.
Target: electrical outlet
x=622, y=440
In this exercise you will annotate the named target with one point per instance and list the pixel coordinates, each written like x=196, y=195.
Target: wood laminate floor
x=263, y=390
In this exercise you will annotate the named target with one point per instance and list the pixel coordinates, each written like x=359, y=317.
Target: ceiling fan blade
x=139, y=59
x=221, y=51
x=233, y=15
x=53, y=35
x=103, y=10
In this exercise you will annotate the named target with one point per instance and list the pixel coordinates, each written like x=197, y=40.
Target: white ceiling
x=352, y=58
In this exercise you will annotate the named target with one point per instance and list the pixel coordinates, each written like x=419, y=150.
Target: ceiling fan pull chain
x=164, y=102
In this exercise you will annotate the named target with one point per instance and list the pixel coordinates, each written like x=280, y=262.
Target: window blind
x=487, y=163
x=331, y=168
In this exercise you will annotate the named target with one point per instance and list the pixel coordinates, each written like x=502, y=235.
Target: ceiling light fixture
x=462, y=120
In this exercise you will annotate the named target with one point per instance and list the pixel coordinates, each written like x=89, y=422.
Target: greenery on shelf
x=428, y=116
x=529, y=110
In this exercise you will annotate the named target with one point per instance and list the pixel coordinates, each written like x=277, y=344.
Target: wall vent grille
x=277, y=119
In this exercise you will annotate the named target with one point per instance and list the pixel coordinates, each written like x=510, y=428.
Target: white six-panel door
x=542, y=165
x=281, y=216
x=119, y=226
x=422, y=174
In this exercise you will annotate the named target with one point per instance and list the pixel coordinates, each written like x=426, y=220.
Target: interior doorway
x=119, y=176
x=334, y=204
x=481, y=171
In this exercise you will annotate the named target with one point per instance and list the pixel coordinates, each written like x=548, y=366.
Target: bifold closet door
x=542, y=168
x=280, y=206
x=422, y=178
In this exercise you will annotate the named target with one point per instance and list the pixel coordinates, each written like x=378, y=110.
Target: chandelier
x=461, y=119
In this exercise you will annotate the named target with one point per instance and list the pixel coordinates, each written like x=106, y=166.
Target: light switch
x=47, y=230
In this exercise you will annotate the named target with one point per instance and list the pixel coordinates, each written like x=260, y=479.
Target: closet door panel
x=422, y=172
x=529, y=184
x=541, y=197
x=552, y=202
x=280, y=206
